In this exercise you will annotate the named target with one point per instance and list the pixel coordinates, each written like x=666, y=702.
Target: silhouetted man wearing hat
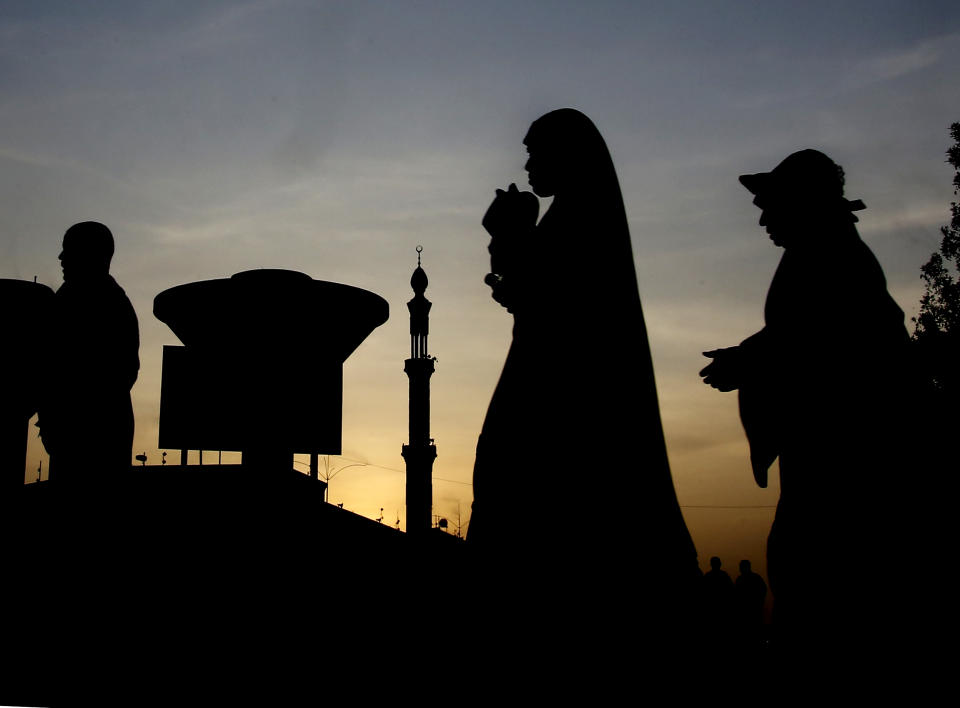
x=86, y=419
x=823, y=386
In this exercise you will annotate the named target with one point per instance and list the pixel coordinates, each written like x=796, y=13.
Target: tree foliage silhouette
x=937, y=325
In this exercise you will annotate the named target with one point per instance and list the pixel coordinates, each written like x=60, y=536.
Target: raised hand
x=724, y=372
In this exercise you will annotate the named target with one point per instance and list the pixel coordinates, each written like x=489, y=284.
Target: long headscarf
x=589, y=200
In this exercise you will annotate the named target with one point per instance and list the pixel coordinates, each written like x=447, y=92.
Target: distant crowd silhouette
x=733, y=612
x=825, y=386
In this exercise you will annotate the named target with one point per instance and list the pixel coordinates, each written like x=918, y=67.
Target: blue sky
x=333, y=137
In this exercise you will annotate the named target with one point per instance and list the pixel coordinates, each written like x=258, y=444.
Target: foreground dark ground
x=225, y=585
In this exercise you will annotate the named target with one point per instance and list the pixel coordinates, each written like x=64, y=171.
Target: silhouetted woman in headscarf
x=572, y=484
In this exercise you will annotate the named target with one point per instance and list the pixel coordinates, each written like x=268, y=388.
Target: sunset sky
x=334, y=137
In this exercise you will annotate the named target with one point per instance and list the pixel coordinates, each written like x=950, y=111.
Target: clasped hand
x=512, y=216
x=511, y=212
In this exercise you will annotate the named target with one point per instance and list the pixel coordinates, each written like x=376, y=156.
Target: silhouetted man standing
x=717, y=579
x=718, y=601
x=823, y=386
x=751, y=593
x=86, y=419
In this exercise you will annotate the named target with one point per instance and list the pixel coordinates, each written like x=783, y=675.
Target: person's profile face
x=76, y=261
x=542, y=173
x=778, y=220
x=69, y=258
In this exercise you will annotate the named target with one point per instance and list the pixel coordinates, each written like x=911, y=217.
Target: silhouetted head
x=567, y=153
x=745, y=567
x=801, y=194
x=87, y=250
x=715, y=563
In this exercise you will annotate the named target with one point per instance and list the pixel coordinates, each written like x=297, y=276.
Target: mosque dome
x=418, y=281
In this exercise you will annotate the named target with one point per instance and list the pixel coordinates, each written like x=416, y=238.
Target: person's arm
x=116, y=362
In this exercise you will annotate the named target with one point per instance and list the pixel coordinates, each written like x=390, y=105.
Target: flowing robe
x=571, y=470
x=827, y=389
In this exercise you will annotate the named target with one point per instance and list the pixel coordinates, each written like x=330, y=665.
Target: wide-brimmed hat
x=806, y=174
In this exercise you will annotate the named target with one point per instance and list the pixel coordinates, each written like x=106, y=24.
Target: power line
x=470, y=484
x=721, y=506
x=394, y=469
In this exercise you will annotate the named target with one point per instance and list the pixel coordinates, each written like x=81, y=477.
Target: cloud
x=902, y=62
x=928, y=215
x=53, y=164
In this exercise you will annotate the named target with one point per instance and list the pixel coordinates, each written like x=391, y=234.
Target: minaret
x=421, y=452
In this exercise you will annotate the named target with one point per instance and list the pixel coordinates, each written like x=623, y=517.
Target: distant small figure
x=751, y=593
x=718, y=598
x=824, y=387
x=86, y=416
x=717, y=584
x=718, y=579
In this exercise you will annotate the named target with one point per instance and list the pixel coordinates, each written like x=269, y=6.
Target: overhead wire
x=470, y=484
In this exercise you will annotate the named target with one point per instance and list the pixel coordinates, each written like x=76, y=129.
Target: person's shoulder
x=111, y=283
x=117, y=289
